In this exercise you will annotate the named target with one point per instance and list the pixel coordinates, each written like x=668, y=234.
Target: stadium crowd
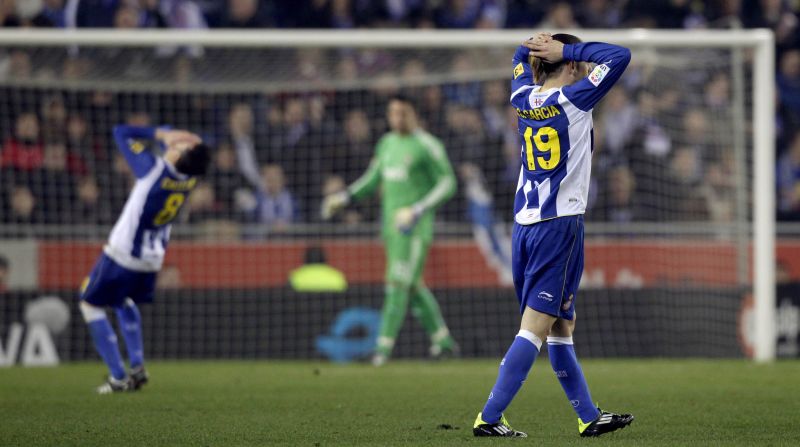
x=662, y=155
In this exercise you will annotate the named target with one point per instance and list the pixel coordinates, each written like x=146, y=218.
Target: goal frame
x=760, y=41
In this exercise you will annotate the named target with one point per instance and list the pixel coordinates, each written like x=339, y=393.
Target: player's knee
x=91, y=312
x=398, y=285
x=563, y=328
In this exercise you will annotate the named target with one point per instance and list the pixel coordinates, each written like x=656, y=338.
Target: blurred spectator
x=228, y=183
x=4, y=273
x=524, y=13
x=661, y=14
x=393, y=13
x=358, y=145
x=618, y=201
x=88, y=208
x=53, y=11
x=22, y=209
x=276, y=206
x=240, y=126
x=774, y=14
x=696, y=131
x=788, y=177
x=495, y=103
x=719, y=191
x=789, y=83
x=33, y=13
x=91, y=13
x=469, y=14
x=559, y=16
x=184, y=14
x=23, y=151
x=16, y=66
x=466, y=93
x=126, y=17
x=684, y=200
x=202, y=205
x=466, y=139
x=80, y=143
x=598, y=14
x=54, y=119
x=53, y=185
x=619, y=114
x=243, y=14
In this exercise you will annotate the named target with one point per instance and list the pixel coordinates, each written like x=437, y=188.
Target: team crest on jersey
x=137, y=147
x=518, y=70
x=597, y=75
x=537, y=102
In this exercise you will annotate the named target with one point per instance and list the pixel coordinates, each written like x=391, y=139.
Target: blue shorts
x=547, y=264
x=110, y=284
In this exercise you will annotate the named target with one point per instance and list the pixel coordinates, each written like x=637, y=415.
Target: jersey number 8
x=171, y=207
x=550, y=143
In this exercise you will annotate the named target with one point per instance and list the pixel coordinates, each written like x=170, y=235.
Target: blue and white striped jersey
x=139, y=239
x=555, y=128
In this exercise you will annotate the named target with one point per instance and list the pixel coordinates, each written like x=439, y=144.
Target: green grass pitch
x=676, y=402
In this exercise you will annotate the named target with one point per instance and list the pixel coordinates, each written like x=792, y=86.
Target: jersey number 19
x=546, y=141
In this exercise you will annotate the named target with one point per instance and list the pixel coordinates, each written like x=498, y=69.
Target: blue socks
x=130, y=322
x=513, y=371
x=105, y=340
x=569, y=373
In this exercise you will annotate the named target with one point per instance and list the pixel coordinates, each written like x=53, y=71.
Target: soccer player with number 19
x=126, y=271
x=554, y=96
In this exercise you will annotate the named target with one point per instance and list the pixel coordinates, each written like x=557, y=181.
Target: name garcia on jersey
x=539, y=113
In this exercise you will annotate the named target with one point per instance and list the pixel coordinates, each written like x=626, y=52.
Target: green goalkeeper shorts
x=405, y=258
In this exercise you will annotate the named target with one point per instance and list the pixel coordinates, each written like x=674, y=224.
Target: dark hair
x=3, y=262
x=194, y=161
x=399, y=97
x=315, y=255
x=542, y=69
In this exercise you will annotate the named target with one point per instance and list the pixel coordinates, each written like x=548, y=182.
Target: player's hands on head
x=173, y=137
x=545, y=47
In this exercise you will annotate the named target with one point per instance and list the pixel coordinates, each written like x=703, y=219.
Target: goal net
x=671, y=241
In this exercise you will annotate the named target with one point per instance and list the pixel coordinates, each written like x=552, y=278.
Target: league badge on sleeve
x=597, y=75
x=518, y=70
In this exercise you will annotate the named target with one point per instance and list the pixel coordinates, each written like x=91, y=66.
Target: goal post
x=759, y=227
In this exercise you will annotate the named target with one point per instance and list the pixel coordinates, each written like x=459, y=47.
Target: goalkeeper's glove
x=333, y=203
x=405, y=218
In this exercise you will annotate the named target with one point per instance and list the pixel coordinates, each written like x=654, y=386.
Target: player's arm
x=611, y=60
x=364, y=186
x=367, y=183
x=130, y=144
x=522, y=74
x=443, y=189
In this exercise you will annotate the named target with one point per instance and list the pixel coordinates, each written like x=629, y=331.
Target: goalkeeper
x=412, y=168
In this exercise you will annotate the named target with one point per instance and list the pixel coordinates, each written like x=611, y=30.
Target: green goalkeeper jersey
x=413, y=171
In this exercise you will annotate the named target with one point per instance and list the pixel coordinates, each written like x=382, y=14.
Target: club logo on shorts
x=546, y=296
x=567, y=303
x=575, y=402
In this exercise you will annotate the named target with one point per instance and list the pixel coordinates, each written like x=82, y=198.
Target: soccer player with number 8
x=126, y=271
x=553, y=94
